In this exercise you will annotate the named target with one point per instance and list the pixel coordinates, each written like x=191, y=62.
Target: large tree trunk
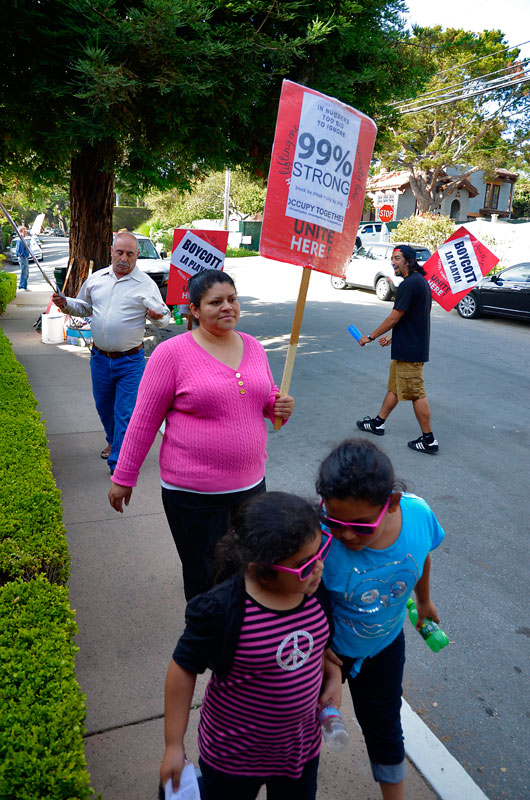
x=420, y=190
x=91, y=206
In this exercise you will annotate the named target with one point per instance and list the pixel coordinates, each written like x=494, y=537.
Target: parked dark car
x=505, y=294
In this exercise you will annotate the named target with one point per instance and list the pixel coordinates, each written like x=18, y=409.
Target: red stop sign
x=386, y=213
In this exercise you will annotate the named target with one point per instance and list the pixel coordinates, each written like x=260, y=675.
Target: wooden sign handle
x=293, y=343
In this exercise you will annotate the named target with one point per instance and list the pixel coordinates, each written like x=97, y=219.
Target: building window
x=491, y=196
x=495, y=196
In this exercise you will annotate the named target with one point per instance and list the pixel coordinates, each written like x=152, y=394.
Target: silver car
x=371, y=268
x=31, y=241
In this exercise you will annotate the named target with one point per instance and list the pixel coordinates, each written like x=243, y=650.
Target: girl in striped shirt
x=263, y=632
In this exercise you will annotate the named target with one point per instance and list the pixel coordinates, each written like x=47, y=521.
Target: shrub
x=429, y=230
x=32, y=538
x=239, y=252
x=8, y=289
x=163, y=236
x=129, y=217
x=42, y=709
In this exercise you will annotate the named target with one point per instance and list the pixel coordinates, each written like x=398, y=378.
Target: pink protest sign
x=319, y=166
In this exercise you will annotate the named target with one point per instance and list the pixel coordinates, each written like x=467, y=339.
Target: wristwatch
x=371, y=338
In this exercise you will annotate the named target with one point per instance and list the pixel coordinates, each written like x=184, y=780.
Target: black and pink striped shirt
x=261, y=719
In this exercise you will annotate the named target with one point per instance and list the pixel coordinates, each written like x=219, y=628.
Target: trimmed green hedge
x=129, y=217
x=8, y=289
x=32, y=538
x=42, y=709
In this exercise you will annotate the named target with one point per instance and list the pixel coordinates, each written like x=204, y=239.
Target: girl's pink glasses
x=356, y=527
x=308, y=568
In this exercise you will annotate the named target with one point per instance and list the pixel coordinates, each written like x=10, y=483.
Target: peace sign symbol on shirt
x=296, y=658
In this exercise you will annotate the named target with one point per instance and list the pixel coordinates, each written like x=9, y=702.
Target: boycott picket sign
x=193, y=252
x=319, y=166
x=458, y=265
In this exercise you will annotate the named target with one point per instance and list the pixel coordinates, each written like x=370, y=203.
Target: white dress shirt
x=118, y=307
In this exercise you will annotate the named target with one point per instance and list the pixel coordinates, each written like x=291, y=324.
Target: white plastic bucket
x=52, y=329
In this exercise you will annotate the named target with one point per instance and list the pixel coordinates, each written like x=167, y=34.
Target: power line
x=445, y=89
x=481, y=58
x=453, y=98
x=465, y=64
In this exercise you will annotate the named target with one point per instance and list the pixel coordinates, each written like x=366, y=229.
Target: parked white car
x=372, y=232
x=155, y=264
x=31, y=241
x=371, y=268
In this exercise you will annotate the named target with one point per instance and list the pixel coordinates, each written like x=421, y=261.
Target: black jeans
x=220, y=786
x=376, y=693
x=197, y=522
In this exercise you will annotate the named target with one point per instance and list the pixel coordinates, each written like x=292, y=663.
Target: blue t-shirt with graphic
x=369, y=588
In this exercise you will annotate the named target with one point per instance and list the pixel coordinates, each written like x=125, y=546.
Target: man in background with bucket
x=117, y=298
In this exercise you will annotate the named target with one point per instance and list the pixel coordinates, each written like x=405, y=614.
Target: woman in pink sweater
x=214, y=388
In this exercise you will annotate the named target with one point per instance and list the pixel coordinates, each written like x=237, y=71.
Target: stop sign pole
x=386, y=213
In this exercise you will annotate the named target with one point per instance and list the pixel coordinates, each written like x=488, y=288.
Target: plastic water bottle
x=430, y=631
x=334, y=732
x=177, y=316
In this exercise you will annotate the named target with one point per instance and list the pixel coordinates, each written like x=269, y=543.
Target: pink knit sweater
x=215, y=437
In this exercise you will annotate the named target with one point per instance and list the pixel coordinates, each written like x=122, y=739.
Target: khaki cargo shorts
x=405, y=379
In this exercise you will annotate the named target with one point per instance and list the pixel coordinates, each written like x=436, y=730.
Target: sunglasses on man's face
x=308, y=568
x=363, y=528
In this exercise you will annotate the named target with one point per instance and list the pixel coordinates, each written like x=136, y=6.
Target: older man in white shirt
x=118, y=299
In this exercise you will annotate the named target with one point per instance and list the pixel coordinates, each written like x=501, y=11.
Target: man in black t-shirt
x=410, y=323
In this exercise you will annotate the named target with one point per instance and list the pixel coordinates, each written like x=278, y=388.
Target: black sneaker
x=369, y=425
x=422, y=446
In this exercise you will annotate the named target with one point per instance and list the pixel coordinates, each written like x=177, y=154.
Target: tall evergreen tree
x=159, y=92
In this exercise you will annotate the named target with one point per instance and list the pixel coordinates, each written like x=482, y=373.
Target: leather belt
x=117, y=354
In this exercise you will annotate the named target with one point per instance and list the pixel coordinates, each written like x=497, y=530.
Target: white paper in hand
x=188, y=789
x=154, y=306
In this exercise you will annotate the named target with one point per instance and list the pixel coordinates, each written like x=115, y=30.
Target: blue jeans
x=115, y=384
x=24, y=272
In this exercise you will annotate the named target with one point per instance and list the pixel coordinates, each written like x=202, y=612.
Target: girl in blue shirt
x=380, y=553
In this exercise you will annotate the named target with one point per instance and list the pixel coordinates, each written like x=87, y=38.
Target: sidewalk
x=126, y=588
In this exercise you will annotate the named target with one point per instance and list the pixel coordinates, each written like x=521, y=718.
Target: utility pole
x=226, y=214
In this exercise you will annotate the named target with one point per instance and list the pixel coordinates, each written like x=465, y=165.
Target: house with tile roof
x=471, y=197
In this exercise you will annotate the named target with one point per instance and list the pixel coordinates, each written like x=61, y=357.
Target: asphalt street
x=473, y=695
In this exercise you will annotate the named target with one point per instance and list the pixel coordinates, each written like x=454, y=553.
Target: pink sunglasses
x=356, y=527
x=308, y=568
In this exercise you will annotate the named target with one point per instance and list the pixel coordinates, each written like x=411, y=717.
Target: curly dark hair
x=199, y=284
x=409, y=254
x=266, y=529
x=357, y=468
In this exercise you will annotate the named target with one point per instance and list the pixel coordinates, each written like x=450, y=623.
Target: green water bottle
x=177, y=316
x=431, y=632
